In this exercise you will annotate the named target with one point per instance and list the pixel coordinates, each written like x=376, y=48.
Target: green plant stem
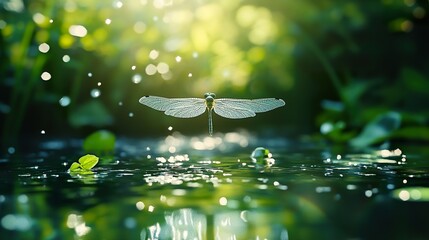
x=12, y=121
x=325, y=63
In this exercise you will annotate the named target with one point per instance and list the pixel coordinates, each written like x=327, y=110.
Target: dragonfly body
x=225, y=107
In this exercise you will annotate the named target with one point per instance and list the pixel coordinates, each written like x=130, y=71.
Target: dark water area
x=209, y=188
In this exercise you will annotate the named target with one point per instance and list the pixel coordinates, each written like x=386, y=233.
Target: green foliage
x=378, y=130
x=92, y=113
x=362, y=55
x=84, y=164
x=100, y=141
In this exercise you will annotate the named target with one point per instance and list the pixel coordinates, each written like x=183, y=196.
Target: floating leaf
x=100, y=141
x=88, y=161
x=75, y=167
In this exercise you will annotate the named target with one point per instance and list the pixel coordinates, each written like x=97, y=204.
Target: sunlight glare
x=46, y=76
x=64, y=101
x=44, y=47
x=153, y=54
x=66, y=58
x=150, y=69
x=78, y=30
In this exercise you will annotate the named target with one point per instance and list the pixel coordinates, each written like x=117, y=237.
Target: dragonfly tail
x=210, y=123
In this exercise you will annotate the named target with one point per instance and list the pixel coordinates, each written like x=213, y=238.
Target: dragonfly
x=225, y=107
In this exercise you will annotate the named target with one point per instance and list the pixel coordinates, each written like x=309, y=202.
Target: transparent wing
x=234, y=112
x=176, y=107
x=244, y=108
x=255, y=105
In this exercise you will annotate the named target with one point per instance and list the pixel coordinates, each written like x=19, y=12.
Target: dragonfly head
x=209, y=94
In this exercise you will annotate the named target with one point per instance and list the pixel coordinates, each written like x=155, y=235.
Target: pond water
x=209, y=188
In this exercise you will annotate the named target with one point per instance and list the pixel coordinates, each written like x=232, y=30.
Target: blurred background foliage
x=350, y=71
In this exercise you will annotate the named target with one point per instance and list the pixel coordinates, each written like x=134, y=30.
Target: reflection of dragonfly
x=225, y=107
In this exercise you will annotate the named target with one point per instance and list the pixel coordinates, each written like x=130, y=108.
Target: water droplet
x=46, y=76
x=149, y=156
x=42, y=132
x=51, y=20
x=170, y=128
x=66, y=58
x=44, y=47
x=136, y=78
x=64, y=101
x=195, y=54
x=131, y=114
x=178, y=58
x=99, y=84
x=95, y=93
x=120, y=103
x=133, y=67
x=190, y=75
x=89, y=74
x=108, y=21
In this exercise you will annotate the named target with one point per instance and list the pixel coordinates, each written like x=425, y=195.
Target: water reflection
x=306, y=194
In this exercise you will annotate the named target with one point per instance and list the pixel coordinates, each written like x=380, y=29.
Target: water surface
x=209, y=188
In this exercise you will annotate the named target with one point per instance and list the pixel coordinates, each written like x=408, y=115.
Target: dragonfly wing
x=225, y=110
x=187, y=111
x=176, y=107
x=255, y=105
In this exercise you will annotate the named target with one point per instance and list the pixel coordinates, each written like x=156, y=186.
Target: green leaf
x=92, y=113
x=377, y=130
x=100, y=141
x=88, y=161
x=75, y=167
x=415, y=81
x=413, y=133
